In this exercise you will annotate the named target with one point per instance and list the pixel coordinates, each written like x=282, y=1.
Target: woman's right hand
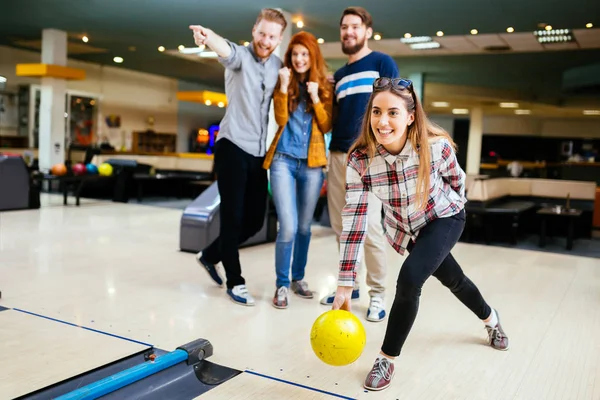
x=284, y=78
x=342, y=298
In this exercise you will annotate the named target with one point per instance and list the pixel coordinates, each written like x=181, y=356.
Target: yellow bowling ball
x=338, y=337
x=105, y=169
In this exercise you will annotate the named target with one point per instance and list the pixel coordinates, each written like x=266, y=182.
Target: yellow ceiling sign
x=204, y=96
x=50, y=71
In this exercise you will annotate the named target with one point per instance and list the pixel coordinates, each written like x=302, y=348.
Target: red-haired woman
x=303, y=102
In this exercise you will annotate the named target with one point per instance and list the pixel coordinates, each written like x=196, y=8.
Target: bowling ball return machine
x=184, y=373
x=199, y=225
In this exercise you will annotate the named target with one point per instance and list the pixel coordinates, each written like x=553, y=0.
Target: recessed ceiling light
x=474, y=31
x=208, y=102
x=548, y=27
x=300, y=24
x=440, y=33
x=510, y=29
x=118, y=60
x=2, y=79
x=320, y=40
x=407, y=35
x=85, y=39
x=377, y=36
x=522, y=112
x=181, y=47
x=440, y=104
x=591, y=112
x=161, y=48
x=589, y=25
x=509, y=105
x=460, y=111
x=221, y=104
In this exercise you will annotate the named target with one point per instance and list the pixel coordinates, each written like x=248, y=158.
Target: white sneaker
x=376, y=311
x=239, y=294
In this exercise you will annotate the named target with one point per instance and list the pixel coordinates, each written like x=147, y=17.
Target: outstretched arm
x=354, y=227
x=205, y=36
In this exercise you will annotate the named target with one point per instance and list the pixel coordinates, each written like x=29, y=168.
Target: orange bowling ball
x=58, y=170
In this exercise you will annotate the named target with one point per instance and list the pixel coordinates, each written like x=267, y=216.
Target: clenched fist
x=284, y=77
x=313, y=90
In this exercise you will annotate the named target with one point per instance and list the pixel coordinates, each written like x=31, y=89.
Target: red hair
x=316, y=73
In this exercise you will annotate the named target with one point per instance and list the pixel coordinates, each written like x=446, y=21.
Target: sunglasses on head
x=397, y=83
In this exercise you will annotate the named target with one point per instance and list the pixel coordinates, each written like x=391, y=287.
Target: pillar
x=418, y=80
x=52, y=102
x=475, y=138
x=280, y=52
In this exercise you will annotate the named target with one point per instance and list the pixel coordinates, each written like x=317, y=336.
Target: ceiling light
x=416, y=39
x=460, y=111
x=407, y=35
x=208, y=54
x=554, y=36
x=85, y=39
x=474, y=32
x=181, y=47
x=191, y=50
x=320, y=40
x=591, y=112
x=208, y=102
x=246, y=44
x=440, y=33
x=522, y=112
x=2, y=79
x=440, y=104
x=221, y=104
x=509, y=105
x=425, y=46
x=118, y=60
x=589, y=25
x=510, y=29
x=300, y=24
x=548, y=27
x=377, y=36
x=161, y=48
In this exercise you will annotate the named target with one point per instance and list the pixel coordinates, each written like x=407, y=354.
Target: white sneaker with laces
x=376, y=311
x=239, y=294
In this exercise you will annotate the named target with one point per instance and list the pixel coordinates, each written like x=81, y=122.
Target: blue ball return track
x=152, y=374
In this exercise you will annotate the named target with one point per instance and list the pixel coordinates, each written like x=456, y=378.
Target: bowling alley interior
x=109, y=117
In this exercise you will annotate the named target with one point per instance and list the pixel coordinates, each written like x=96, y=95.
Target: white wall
x=132, y=95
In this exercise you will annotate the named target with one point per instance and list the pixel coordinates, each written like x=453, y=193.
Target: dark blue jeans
x=430, y=255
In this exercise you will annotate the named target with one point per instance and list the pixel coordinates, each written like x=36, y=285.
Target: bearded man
x=251, y=73
x=353, y=87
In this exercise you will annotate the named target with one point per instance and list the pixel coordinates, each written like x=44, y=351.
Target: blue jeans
x=296, y=189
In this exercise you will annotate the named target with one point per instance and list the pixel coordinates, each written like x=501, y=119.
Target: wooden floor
x=116, y=268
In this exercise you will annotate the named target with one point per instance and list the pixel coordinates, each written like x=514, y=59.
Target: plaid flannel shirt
x=393, y=179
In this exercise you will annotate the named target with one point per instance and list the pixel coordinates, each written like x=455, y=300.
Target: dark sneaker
x=301, y=289
x=210, y=268
x=381, y=375
x=496, y=336
x=328, y=300
x=280, y=300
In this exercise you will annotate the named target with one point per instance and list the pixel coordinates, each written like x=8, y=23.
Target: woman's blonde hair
x=419, y=132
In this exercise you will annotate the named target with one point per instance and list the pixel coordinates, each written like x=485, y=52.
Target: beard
x=349, y=50
x=264, y=53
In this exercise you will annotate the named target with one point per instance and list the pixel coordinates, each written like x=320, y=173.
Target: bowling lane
x=37, y=352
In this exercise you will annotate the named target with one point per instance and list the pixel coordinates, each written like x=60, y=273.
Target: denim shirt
x=295, y=137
